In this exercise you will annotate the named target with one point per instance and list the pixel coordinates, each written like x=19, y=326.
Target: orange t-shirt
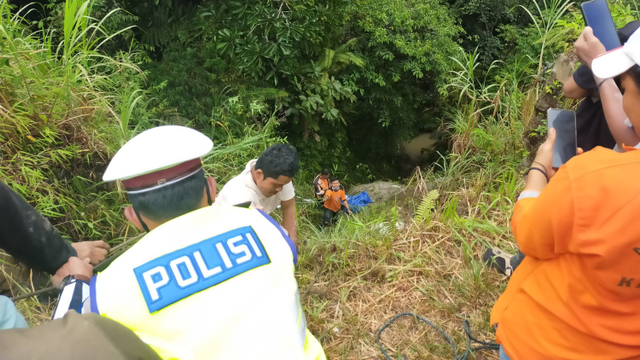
x=319, y=185
x=576, y=295
x=333, y=202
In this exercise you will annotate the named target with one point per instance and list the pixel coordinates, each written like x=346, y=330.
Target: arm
x=611, y=98
x=345, y=202
x=316, y=187
x=543, y=222
x=289, y=219
x=76, y=291
x=543, y=217
x=573, y=91
x=28, y=236
x=588, y=47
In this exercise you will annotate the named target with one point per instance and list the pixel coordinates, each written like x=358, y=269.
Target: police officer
x=206, y=282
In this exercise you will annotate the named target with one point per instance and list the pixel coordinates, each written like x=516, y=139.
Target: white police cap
x=169, y=152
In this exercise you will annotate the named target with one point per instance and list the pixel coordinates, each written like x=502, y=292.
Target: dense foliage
x=336, y=73
x=345, y=81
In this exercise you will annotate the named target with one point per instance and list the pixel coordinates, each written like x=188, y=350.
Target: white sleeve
x=72, y=297
x=288, y=192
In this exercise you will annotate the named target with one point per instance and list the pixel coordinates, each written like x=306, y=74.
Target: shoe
x=498, y=260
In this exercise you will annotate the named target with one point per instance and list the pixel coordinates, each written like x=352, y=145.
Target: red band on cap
x=162, y=176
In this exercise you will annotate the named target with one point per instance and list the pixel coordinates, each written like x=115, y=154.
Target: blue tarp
x=357, y=202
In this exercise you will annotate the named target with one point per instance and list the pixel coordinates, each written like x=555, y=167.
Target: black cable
x=467, y=329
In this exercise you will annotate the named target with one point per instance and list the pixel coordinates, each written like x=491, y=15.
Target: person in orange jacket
x=334, y=200
x=321, y=184
x=576, y=294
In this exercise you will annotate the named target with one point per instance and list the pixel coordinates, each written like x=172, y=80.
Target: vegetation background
x=345, y=82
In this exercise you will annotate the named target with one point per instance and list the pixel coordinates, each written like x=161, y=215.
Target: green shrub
x=64, y=106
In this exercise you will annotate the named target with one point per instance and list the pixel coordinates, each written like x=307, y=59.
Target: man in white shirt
x=266, y=183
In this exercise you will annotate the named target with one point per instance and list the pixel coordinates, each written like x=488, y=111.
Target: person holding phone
x=592, y=127
x=591, y=124
x=576, y=294
x=624, y=132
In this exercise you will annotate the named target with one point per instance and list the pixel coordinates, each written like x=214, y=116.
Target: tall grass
x=58, y=100
x=64, y=105
x=548, y=13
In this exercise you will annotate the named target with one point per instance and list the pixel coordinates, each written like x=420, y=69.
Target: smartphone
x=566, y=145
x=596, y=14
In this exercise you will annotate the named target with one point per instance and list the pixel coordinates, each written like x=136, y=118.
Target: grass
x=58, y=93
x=360, y=273
x=63, y=115
x=367, y=268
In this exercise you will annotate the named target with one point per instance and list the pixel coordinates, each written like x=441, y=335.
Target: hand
x=588, y=47
x=544, y=156
x=95, y=251
x=74, y=266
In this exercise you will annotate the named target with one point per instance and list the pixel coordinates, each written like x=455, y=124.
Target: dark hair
x=171, y=201
x=278, y=160
x=325, y=171
x=634, y=72
x=625, y=33
x=335, y=178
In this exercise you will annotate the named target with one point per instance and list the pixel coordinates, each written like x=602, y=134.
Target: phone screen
x=565, y=147
x=596, y=14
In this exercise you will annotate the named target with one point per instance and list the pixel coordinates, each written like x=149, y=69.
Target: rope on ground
x=467, y=329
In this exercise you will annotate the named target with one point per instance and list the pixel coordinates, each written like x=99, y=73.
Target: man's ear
x=213, y=190
x=130, y=214
x=260, y=174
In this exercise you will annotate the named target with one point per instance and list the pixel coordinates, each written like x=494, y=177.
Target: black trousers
x=330, y=216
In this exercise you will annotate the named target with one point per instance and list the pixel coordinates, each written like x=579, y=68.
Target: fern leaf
x=428, y=203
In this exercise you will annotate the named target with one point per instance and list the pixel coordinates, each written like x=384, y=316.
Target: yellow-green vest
x=217, y=283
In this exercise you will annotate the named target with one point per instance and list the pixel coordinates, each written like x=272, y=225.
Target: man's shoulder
x=237, y=180
x=236, y=184
x=287, y=193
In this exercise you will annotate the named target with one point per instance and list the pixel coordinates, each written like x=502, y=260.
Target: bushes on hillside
x=67, y=106
x=58, y=97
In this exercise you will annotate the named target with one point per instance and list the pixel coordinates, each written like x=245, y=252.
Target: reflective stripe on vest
x=216, y=283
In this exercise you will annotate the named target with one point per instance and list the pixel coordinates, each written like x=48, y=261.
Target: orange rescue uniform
x=576, y=295
x=333, y=202
x=320, y=184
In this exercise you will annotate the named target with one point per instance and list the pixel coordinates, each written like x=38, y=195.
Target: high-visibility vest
x=217, y=283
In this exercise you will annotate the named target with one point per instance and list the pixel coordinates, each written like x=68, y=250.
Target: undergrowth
x=66, y=106
x=57, y=103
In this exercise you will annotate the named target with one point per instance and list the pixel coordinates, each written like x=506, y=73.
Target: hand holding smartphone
x=566, y=145
x=596, y=14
